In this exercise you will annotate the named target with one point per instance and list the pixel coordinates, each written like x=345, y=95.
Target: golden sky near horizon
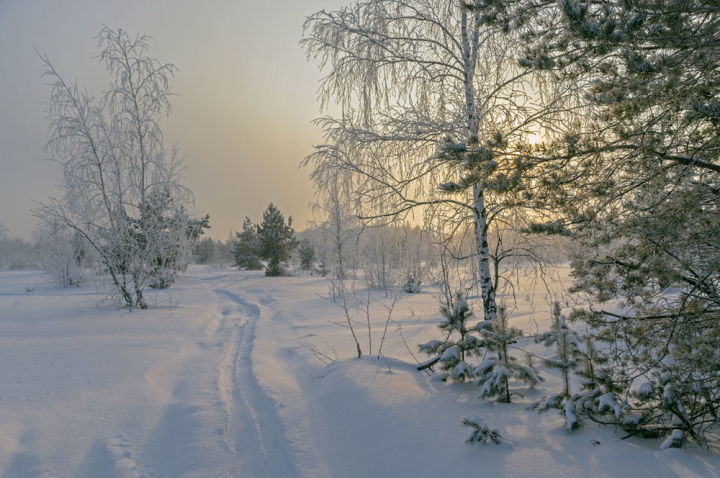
x=242, y=117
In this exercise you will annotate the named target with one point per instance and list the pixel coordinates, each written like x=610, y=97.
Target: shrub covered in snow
x=63, y=254
x=649, y=381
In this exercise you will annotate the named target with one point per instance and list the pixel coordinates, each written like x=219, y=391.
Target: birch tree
x=121, y=186
x=431, y=102
x=339, y=229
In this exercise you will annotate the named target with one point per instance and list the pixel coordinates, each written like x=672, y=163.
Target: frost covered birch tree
x=338, y=228
x=121, y=186
x=431, y=98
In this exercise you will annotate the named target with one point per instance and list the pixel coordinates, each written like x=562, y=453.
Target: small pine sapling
x=458, y=344
x=567, y=349
x=603, y=397
x=586, y=357
x=412, y=284
x=493, y=373
x=322, y=268
x=574, y=353
x=566, y=343
x=676, y=398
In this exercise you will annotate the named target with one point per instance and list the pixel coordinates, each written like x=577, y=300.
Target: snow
x=668, y=394
x=674, y=440
x=606, y=402
x=219, y=378
x=646, y=390
x=633, y=419
x=485, y=365
x=451, y=355
x=571, y=421
x=461, y=370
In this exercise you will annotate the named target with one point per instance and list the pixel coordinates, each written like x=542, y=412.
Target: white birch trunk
x=481, y=243
x=470, y=44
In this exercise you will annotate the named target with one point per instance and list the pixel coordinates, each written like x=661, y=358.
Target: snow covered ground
x=224, y=377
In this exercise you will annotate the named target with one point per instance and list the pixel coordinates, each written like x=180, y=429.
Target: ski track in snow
x=254, y=431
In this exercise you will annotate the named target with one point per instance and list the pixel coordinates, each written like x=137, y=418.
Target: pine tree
x=494, y=372
x=167, y=234
x=637, y=184
x=566, y=343
x=205, y=251
x=246, y=247
x=573, y=354
x=488, y=339
x=481, y=432
x=307, y=254
x=276, y=240
x=457, y=345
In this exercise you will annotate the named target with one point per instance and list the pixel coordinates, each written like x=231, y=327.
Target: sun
x=535, y=138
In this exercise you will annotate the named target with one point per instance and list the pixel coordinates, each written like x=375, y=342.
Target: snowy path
x=90, y=391
x=254, y=430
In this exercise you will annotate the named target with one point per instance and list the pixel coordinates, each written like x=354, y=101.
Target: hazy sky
x=247, y=96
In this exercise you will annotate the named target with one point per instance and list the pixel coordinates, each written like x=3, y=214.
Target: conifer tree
x=276, y=240
x=637, y=184
x=488, y=339
x=493, y=373
x=167, y=233
x=573, y=354
x=307, y=254
x=246, y=247
x=566, y=342
x=451, y=352
x=205, y=251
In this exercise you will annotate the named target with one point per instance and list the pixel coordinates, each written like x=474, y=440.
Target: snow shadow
x=245, y=307
x=24, y=465
x=98, y=462
x=173, y=448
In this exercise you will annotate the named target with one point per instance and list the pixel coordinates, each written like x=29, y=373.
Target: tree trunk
x=481, y=243
x=501, y=320
x=139, y=298
x=470, y=45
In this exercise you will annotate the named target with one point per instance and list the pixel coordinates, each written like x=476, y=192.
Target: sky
x=242, y=117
